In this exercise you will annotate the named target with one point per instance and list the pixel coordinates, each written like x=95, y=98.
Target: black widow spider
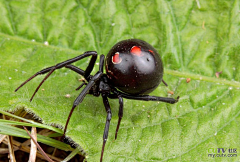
x=133, y=66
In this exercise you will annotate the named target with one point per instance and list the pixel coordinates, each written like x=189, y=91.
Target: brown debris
x=171, y=92
x=218, y=73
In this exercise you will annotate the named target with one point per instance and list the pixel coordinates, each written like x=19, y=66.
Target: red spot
x=136, y=50
x=116, y=59
x=151, y=51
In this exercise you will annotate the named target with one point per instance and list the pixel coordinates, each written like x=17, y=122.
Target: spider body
x=132, y=66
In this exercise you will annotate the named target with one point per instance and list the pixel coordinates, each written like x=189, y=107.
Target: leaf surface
x=195, y=39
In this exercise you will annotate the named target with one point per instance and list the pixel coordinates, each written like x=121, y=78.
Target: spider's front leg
x=81, y=96
x=51, y=69
x=84, y=92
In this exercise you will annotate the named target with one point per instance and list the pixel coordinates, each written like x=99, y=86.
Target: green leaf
x=195, y=39
x=29, y=122
x=17, y=132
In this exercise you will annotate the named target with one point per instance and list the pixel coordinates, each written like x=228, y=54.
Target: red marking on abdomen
x=151, y=51
x=116, y=59
x=136, y=50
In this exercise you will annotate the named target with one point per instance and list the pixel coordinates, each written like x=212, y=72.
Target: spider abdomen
x=134, y=67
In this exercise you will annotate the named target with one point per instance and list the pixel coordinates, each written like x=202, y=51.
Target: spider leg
x=79, y=87
x=90, y=67
x=120, y=114
x=164, y=83
x=79, y=71
x=88, y=70
x=81, y=96
x=108, y=119
x=75, y=69
x=51, y=69
x=144, y=97
x=85, y=74
x=84, y=92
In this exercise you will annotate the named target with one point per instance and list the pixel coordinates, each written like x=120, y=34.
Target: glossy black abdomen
x=134, y=67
